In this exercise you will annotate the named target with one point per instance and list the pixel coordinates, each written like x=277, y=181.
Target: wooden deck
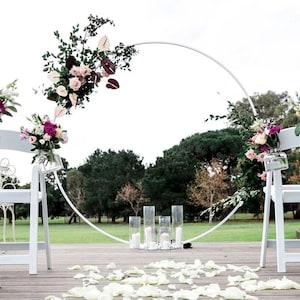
x=16, y=284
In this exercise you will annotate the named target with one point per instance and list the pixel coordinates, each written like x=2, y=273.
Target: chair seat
x=15, y=196
x=290, y=193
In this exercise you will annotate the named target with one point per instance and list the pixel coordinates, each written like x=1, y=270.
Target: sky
x=193, y=57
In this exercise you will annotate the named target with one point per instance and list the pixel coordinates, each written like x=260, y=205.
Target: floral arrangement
x=45, y=137
x=76, y=70
x=7, y=100
x=264, y=140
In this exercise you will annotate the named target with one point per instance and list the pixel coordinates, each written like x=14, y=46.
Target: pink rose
x=250, y=154
x=84, y=71
x=260, y=157
x=32, y=139
x=74, y=83
x=75, y=71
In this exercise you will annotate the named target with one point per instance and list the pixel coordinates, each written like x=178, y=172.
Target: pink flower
x=24, y=133
x=260, y=157
x=263, y=176
x=74, y=83
x=84, y=70
x=250, y=154
x=32, y=139
x=75, y=71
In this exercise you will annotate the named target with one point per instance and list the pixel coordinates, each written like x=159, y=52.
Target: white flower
x=60, y=111
x=39, y=129
x=42, y=141
x=54, y=76
x=61, y=91
x=103, y=44
x=73, y=98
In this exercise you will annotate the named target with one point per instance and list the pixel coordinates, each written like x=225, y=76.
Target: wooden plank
x=17, y=284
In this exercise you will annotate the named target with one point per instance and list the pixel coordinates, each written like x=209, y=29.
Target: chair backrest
x=288, y=139
x=11, y=140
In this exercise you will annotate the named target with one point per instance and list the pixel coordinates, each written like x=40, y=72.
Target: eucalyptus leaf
x=297, y=129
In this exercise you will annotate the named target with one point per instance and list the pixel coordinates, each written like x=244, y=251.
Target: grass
x=238, y=229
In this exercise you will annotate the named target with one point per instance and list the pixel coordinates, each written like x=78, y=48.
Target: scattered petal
x=75, y=267
x=111, y=266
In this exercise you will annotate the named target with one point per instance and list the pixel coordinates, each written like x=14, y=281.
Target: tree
x=209, y=186
x=133, y=195
x=268, y=105
x=75, y=182
x=105, y=173
x=166, y=182
x=56, y=202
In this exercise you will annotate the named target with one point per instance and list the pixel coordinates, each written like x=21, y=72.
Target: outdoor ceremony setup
x=156, y=261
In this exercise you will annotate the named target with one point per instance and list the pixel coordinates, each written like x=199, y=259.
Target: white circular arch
x=238, y=205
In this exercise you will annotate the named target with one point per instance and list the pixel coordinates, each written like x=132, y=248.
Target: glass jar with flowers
x=45, y=136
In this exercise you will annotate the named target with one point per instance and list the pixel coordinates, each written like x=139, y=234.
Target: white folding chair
x=280, y=193
x=10, y=140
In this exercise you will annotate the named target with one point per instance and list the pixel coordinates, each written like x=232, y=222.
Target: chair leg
x=33, y=235
x=4, y=221
x=279, y=224
x=266, y=220
x=45, y=221
x=13, y=222
x=46, y=232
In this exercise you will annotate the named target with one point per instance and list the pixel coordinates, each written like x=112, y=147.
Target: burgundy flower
x=112, y=84
x=108, y=66
x=50, y=128
x=275, y=129
x=2, y=107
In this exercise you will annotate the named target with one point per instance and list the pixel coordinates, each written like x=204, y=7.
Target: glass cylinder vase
x=276, y=161
x=134, y=232
x=150, y=241
x=177, y=225
x=164, y=232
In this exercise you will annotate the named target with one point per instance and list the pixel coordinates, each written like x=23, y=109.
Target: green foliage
x=166, y=182
x=105, y=173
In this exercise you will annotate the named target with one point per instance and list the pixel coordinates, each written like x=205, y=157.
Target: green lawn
x=237, y=229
